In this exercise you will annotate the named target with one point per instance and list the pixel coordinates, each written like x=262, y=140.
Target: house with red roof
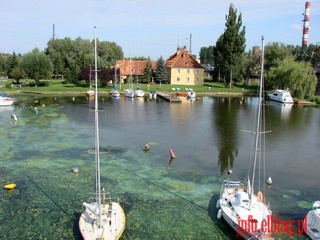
x=132, y=68
x=183, y=69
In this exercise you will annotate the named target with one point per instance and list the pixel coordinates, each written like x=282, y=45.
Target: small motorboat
x=181, y=94
x=139, y=93
x=153, y=94
x=191, y=95
x=115, y=93
x=282, y=96
x=75, y=170
x=90, y=93
x=5, y=100
x=312, y=222
x=128, y=93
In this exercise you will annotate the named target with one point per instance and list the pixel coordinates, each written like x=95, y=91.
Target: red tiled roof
x=182, y=59
x=136, y=66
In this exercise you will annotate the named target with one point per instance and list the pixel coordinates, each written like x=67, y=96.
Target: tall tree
x=297, y=76
x=36, y=65
x=206, y=55
x=147, y=71
x=160, y=73
x=230, y=47
x=274, y=53
x=12, y=62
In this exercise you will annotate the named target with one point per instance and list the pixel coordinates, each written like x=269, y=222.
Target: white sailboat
x=312, y=221
x=129, y=93
x=101, y=218
x=245, y=211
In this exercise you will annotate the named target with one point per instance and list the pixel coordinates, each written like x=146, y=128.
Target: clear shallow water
x=161, y=201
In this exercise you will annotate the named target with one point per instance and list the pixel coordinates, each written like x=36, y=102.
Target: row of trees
x=286, y=66
x=72, y=59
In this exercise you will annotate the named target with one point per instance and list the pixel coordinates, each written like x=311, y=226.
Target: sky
x=151, y=28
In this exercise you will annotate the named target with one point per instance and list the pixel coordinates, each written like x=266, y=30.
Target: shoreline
x=202, y=94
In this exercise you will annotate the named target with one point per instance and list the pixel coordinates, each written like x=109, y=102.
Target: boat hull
x=5, y=100
x=112, y=222
x=139, y=93
x=181, y=94
x=115, y=94
x=312, y=224
x=128, y=93
x=235, y=210
x=282, y=96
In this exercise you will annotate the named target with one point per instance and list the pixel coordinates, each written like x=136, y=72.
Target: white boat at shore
x=5, y=100
x=102, y=217
x=282, y=96
x=238, y=204
x=128, y=93
x=191, y=95
x=115, y=93
x=90, y=93
x=312, y=222
x=139, y=93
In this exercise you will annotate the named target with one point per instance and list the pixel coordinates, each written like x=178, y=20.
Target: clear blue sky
x=151, y=28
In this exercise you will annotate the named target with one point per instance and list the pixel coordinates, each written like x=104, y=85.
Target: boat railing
x=105, y=197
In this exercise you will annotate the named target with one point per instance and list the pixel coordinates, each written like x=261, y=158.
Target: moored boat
x=153, y=94
x=282, y=96
x=128, y=93
x=102, y=217
x=5, y=100
x=191, y=95
x=115, y=93
x=181, y=94
x=90, y=93
x=312, y=222
x=139, y=93
x=243, y=209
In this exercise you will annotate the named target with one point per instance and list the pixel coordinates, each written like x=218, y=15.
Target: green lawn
x=58, y=86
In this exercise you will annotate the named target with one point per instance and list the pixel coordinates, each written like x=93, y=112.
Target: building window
x=197, y=71
x=188, y=71
x=188, y=79
x=178, y=79
x=178, y=70
x=197, y=79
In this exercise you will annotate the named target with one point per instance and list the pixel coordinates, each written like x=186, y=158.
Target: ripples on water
x=161, y=201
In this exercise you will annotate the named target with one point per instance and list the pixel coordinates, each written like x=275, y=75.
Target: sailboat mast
x=96, y=117
x=257, y=132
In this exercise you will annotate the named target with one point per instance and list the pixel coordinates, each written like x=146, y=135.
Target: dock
x=170, y=98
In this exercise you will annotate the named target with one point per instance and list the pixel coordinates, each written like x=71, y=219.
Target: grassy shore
x=59, y=87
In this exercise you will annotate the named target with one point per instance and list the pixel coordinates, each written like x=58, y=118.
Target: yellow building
x=183, y=69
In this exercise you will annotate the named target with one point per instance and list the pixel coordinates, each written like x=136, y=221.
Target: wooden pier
x=168, y=97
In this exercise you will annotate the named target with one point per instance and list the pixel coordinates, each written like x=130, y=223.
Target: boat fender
x=218, y=204
x=219, y=214
x=260, y=197
x=172, y=153
x=146, y=147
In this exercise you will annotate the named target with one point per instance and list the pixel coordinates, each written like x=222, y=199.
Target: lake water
x=162, y=199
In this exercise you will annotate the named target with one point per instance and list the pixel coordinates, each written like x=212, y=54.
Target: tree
x=206, y=55
x=160, y=73
x=251, y=66
x=12, y=62
x=147, y=71
x=36, y=65
x=297, y=76
x=274, y=53
x=71, y=56
x=230, y=47
x=17, y=74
